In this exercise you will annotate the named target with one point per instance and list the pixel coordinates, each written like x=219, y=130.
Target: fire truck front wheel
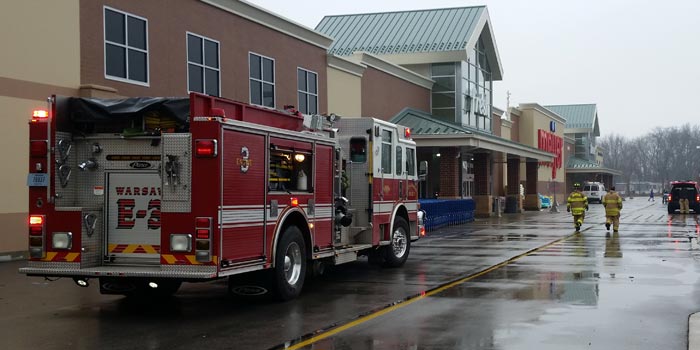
x=290, y=264
x=396, y=252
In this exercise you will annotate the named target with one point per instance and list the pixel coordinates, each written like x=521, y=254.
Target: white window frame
x=126, y=47
x=454, y=91
x=274, y=73
x=391, y=144
x=307, y=93
x=202, y=65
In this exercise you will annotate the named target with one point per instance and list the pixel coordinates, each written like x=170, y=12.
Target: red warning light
x=40, y=115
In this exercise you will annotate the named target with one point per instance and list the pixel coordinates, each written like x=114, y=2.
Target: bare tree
x=662, y=155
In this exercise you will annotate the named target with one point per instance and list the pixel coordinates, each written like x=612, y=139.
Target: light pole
x=554, y=208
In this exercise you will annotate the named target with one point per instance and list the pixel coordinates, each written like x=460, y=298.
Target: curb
x=13, y=256
x=694, y=331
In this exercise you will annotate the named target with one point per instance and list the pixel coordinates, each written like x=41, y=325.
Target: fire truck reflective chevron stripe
x=62, y=256
x=183, y=259
x=134, y=248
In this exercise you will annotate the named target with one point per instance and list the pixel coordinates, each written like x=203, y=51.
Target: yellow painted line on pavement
x=363, y=319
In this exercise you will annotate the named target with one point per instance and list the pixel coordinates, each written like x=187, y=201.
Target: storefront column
x=449, y=172
x=482, y=188
x=532, y=200
x=514, y=203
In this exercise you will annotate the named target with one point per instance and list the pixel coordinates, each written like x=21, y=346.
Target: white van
x=594, y=191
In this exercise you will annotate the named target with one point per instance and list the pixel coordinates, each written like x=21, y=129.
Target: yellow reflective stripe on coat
x=576, y=200
x=613, y=203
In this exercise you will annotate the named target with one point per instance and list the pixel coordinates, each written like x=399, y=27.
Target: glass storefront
x=473, y=107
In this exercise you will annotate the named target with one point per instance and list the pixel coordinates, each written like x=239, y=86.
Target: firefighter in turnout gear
x=613, y=204
x=577, y=204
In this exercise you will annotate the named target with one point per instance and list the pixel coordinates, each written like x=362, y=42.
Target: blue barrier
x=444, y=212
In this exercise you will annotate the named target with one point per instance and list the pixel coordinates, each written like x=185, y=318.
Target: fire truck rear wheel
x=396, y=253
x=290, y=264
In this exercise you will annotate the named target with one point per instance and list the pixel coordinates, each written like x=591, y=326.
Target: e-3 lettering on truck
x=143, y=194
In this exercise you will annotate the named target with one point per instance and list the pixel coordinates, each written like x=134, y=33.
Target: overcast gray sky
x=638, y=60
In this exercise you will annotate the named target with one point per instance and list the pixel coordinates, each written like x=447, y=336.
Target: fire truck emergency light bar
x=40, y=115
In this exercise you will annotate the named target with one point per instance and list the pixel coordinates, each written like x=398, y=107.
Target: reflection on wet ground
x=632, y=290
x=594, y=290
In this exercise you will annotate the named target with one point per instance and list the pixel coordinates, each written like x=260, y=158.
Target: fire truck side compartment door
x=244, y=188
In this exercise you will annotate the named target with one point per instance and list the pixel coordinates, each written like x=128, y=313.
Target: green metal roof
x=579, y=163
x=582, y=165
x=432, y=30
x=422, y=123
x=581, y=116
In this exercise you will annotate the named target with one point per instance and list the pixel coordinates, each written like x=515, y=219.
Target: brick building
x=452, y=120
x=110, y=48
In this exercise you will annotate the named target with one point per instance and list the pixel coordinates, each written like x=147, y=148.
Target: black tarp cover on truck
x=134, y=115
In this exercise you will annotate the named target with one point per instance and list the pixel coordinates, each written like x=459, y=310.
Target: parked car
x=691, y=191
x=595, y=191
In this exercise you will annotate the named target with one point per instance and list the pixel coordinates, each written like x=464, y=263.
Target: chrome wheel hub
x=399, y=242
x=292, y=263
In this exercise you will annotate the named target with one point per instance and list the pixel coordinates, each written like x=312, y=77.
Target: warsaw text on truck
x=143, y=194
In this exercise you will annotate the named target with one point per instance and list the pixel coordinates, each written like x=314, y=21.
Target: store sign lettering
x=551, y=143
x=479, y=105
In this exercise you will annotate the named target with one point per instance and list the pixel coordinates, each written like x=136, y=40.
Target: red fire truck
x=143, y=194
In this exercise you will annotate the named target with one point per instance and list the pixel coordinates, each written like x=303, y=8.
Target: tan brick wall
x=384, y=95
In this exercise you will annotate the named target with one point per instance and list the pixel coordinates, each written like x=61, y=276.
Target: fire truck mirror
x=423, y=169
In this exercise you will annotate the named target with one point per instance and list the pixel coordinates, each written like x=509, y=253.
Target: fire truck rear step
x=344, y=255
x=189, y=271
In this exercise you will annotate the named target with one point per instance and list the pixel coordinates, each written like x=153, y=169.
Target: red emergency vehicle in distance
x=146, y=193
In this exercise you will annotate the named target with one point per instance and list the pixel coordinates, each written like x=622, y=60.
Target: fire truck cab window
x=386, y=151
x=290, y=170
x=358, y=150
x=411, y=161
x=399, y=160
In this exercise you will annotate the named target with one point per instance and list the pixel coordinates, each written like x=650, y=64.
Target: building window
x=307, y=90
x=126, y=47
x=476, y=90
x=444, y=90
x=203, y=73
x=262, y=80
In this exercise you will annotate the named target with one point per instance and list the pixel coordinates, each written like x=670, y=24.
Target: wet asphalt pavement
x=524, y=281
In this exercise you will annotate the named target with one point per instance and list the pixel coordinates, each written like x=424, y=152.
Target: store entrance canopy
x=430, y=132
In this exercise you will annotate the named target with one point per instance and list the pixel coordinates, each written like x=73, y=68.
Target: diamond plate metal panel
x=117, y=153
x=65, y=196
x=91, y=254
x=358, y=193
x=345, y=258
x=188, y=269
x=165, y=271
x=58, y=266
x=176, y=190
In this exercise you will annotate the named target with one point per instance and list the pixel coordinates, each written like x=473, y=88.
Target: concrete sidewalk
x=694, y=331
